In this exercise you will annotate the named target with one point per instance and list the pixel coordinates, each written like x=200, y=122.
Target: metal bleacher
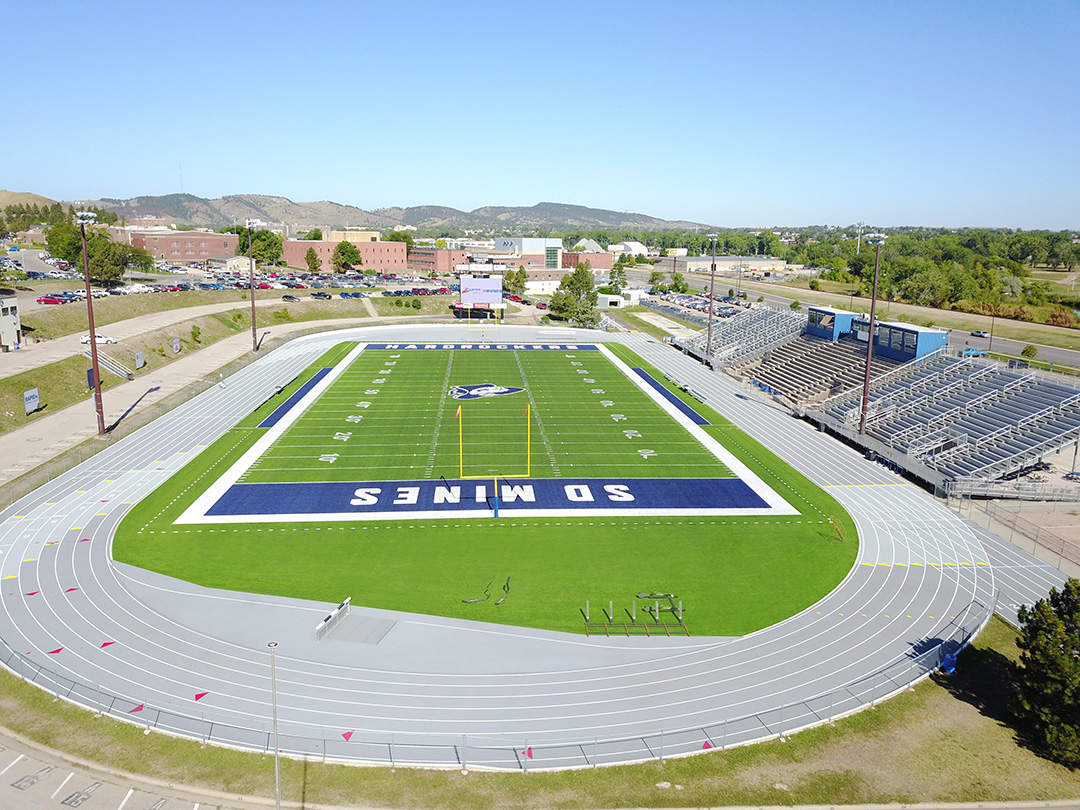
x=747, y=335
x=808, y=366
x=967, y=419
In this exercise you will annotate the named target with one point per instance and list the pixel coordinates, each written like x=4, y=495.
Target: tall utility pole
x=251, y=283
x=879, y=240
x=712, y=285
x=277, y=747
x=84, y=218
x=858, y=238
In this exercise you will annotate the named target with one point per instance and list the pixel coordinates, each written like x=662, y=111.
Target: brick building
x=435, y=260
x=379, y=257
x=186, y=246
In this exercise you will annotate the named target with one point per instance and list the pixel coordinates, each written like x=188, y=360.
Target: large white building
x=10, y=328
x=550, y=249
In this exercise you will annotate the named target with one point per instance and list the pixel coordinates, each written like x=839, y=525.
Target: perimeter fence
x=518, y=753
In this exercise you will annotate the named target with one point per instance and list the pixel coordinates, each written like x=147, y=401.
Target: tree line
x=22, y=216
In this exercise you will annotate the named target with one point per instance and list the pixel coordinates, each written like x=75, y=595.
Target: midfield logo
x=481, y=391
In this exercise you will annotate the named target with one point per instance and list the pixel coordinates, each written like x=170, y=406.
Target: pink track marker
x=706, y=746
x=528, y=752
x=54, y=652
x=201, y=695
x=69, y=590
x=347, y=735
x=33, y=593
x=106, y=644
x=138, y=708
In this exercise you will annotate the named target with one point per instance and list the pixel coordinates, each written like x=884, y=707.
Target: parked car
x=290, y=298
x=100, y=339
x=980, y=333
x=541, y=305
x=52, y=299
x=322, y=296
x=971, y=352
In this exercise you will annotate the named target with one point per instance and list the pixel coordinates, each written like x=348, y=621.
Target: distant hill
x=187, y=209
x=22, y=198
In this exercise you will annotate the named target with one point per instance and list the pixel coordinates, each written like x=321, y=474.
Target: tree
x=575, y=299
x=678, y=283
x=65, y=242
x=1049, y=682
x=314, y=235
x=266, y=246
x=400, y=236
x=656, y=279
x=346, y=255
x=514, y=280
x=795, y=306
x=1029, y=351
x=440, y=243
x=618, y=276
x=311, y=258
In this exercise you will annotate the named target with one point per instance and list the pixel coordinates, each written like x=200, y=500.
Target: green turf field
x=390, y=417
x=734, y=575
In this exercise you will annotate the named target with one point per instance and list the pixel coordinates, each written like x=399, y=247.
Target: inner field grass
x=390, y=416
x=734, y=575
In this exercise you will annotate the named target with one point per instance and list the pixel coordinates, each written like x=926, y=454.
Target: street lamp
x=251, y=282
x=273, y=700
x=712, y=284
x=877, y=239
x=858, y=238
x=84, y=218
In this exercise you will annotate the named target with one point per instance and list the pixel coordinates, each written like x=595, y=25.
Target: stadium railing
x=518, y=753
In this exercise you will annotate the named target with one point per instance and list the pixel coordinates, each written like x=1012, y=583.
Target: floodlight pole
x=84, y=217
x=858, y=238
x=712, y=284
x=879, y=240
x=273, y=699
x=251, y=283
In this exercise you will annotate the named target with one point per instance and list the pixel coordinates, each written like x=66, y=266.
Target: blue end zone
x=695, y=417
x=393, y=497
x=287, y=405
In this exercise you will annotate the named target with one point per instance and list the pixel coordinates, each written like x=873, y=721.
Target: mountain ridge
x=189, y=209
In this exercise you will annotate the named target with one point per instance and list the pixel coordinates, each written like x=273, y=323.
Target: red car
x=52, y=299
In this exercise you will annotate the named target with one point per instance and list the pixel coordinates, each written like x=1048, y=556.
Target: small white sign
x=176, y=345
x=31, y=400
x=140, y=360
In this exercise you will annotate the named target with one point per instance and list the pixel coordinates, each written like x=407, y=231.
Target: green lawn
x=722, y=568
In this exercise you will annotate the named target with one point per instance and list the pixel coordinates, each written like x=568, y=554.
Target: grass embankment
x=64, y=383
x=66, y=319
x=718, y=566
x=952, y=739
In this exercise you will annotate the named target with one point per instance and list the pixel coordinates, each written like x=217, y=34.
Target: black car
x=289, y=298
x=322, y=296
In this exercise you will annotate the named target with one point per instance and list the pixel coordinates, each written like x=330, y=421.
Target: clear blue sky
x=763, y=113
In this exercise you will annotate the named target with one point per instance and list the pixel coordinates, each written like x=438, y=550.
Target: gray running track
x=439, y=692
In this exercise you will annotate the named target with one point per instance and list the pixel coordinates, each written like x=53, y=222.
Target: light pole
x=84, y=218
x=990, y=346
x=273, y=700
x=877, y=239
x=251, y=283
x=712, y=284
x=858, y=238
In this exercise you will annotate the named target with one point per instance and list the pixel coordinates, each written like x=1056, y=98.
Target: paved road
x=445, y=692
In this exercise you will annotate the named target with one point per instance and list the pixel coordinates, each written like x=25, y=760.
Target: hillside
x=187, y=209
x=22, y=198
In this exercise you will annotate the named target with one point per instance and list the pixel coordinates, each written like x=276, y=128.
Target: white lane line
x=125, y=801
x=62, y=785
x=12, y=765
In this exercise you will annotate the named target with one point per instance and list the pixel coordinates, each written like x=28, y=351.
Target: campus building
x=10, y=328
x=378, y=257
x=185, y=246
x=435, y=260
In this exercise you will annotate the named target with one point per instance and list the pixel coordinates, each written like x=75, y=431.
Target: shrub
x=416, y=303
x=814, y=284
x=195, y=333
x=1029, y=351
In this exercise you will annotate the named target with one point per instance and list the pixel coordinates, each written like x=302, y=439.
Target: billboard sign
x=31, y=401
x=140, y=360
x=481, y=289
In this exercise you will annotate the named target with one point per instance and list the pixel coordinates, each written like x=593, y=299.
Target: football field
x=421, y=478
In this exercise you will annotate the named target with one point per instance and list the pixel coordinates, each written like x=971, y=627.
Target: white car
x=100, y=339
